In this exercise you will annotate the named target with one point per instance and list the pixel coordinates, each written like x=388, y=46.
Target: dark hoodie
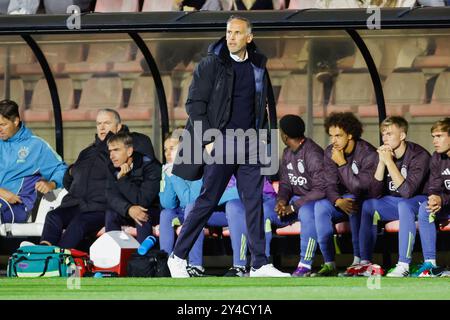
x=439, y=183
x=85, y=180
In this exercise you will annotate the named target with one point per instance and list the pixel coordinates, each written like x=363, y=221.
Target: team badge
x=300, y=166
x=447, y=184
x=289, y=166
x=23, y=153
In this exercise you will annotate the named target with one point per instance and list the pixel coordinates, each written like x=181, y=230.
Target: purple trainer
x=301, y=272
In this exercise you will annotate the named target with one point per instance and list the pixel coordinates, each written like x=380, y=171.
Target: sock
x=432, y=261
x=365, y=261
x=304, y=265
x=332, y=264
x=356, y=260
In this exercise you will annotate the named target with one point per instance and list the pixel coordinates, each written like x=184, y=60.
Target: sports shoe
x=425, y=268
x=268, y=270
x=433, y=272
x=301, y=272
x=398, y=272
x=355, y=270
x=26, y=244
x=326, y=271
x=177, y=267
x=236, y=272
x=195, y=271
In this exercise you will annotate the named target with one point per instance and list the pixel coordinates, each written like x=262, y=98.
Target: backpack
x=153, y=264
x=46, y=261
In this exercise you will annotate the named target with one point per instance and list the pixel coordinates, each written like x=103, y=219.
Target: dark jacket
x=85, y=180
x=209, y=102
x=414, y=167
x=356, y=176
x=139, y=187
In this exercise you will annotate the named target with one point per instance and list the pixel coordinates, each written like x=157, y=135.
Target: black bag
x=153, y=264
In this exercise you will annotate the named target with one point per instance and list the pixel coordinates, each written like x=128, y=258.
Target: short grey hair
x=236, y=17
x=114, y=112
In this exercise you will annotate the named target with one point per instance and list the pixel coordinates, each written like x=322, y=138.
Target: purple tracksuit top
x=356, y=176
x=439, y=182
x=301, y=174
x=414, y=167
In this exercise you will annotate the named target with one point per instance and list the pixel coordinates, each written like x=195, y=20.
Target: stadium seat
x=17, y=92
x=100, y=60
x=440, y=101
x=98, y=93
x=57, y=56
x=357, y=62
x=18, y=55
x=402, y=89
x=290, y=230
x=157, y=5
x=394, y=226
x=353, y=90
x=117, y=6
x=48, y=202
x=179, y=112
x=41, y=107
x=143, y=98
x=293, y=96
x=440, y=58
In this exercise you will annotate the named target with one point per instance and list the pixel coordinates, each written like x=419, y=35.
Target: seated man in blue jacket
x=132, y=186
x=28, y=165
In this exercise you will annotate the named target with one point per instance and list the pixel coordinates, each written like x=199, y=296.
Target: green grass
x=225, y=288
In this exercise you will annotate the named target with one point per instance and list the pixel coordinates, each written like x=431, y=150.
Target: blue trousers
x=326, y=214
x=232, y=217
x=390, y=208
x=427, y=229
x=308, y=236
x=169, y=219
x=77, y=226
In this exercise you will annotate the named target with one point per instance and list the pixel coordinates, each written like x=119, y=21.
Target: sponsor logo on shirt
x=446, y=172
x=301, y=166
x=297, y=181
x=355, y=168
x=22, y=154
x=447, y=184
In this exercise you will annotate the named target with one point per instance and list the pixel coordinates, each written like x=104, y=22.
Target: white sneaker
x=399, y=271
x=26, y=244
x=177, y=267
x=268, y=270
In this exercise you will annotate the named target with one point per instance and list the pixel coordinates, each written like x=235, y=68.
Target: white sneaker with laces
x=177, y=267
x=398, y=272
x=268, y=270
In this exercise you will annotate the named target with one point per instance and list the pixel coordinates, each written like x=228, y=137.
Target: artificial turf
x=218, y=288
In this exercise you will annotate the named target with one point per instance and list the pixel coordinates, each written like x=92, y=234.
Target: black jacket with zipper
x=139, y=187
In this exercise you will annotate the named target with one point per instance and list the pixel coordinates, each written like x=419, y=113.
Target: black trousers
x=215, y=179
x=77, y=226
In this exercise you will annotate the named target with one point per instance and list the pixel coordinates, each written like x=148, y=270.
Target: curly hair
x=346, y=121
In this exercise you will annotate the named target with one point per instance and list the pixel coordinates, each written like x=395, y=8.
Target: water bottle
x=146, y=245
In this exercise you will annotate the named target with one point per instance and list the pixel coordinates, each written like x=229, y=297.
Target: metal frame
x=301, y=20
